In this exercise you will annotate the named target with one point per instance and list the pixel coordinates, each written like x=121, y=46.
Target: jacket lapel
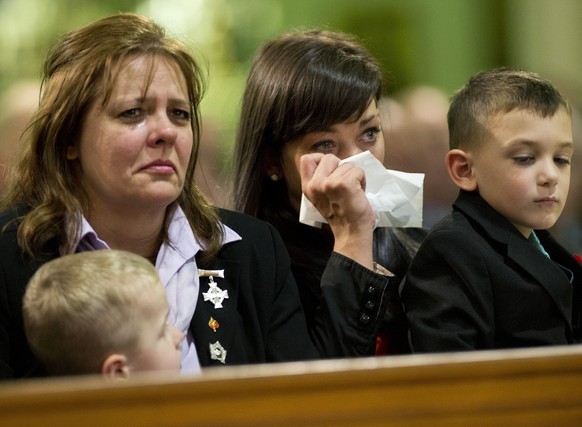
x=547, y=273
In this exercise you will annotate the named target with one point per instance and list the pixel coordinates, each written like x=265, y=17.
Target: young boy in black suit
x=490, y=275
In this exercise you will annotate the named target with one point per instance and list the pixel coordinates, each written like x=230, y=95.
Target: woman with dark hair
x=310, y=100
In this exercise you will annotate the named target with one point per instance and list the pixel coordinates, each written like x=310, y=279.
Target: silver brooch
x=217, y=352
x=215, y=295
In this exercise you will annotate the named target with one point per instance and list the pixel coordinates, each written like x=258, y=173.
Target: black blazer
x=16, y=269
x=477, y=283
x=261, y=321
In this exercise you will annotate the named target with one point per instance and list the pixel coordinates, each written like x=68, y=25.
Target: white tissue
x=396, y=197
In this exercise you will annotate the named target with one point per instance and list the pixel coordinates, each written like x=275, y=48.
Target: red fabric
x=383, y=345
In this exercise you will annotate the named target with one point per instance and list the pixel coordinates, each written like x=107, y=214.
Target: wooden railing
x=533, y=387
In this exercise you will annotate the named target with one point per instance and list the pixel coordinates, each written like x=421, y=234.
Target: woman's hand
x=338, y=193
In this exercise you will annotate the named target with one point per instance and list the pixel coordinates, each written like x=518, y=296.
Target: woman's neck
x=138, y=233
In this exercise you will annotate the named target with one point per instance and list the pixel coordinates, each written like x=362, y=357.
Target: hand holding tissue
x=396, y=197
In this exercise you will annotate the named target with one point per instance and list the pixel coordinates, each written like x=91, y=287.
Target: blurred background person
x=568, y=228
x=209, y=174
x=17, y=104
x=417, y=139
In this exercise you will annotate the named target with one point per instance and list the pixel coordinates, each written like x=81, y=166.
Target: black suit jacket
x=477, y=283
x=16, y=269
x=261, y=321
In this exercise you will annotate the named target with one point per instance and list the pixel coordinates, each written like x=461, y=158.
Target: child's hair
x=500, y=90
x=80, y=308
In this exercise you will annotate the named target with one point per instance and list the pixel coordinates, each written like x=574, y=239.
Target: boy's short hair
x=80, y=308
x=500, y=90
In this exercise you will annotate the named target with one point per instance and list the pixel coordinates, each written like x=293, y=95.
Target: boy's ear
x=460, y=167
x=115, y=367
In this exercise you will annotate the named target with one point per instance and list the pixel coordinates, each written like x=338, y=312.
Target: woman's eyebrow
x=366, y=120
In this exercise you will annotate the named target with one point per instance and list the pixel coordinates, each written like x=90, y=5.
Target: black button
x=370, y=305
x=364, y=318
x=371, y=290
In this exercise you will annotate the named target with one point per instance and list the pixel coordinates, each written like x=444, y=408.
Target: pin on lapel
x=217, y=352
x=215, y=295
x=213, y=324
x=210, y=273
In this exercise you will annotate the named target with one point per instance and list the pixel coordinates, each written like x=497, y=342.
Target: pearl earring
x=274, y=177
